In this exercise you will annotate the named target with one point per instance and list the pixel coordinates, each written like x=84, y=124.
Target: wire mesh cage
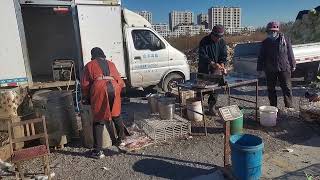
x=163, y=130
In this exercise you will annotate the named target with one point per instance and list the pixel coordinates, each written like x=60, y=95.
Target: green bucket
x=237, y=125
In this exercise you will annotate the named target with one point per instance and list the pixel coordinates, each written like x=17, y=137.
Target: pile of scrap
x=12, y=105
x=137, y=140
x=310, y=109
x=310, y=112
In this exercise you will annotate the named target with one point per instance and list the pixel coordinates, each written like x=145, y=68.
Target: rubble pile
x=306, y=29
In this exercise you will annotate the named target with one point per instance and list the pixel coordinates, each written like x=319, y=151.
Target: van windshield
x=145, y=39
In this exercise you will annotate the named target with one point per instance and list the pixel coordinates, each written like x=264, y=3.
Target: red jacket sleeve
x=86, y=83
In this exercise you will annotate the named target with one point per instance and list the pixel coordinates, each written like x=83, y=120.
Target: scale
x=230, y=113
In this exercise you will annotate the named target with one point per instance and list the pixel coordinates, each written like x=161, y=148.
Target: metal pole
x=229, y=93
x=257, y=94
x=180, y=101
x=226, y=144
x=203, y=116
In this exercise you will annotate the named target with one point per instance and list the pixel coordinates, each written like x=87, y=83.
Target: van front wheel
x=170, y=82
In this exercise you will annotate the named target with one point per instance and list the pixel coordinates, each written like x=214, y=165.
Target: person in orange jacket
x=101, y=86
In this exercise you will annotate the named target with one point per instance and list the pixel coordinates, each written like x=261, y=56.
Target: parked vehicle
x=307, y=57
x=43, y=42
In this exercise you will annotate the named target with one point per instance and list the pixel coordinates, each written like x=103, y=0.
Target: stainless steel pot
x=166, y=108
x=153, y=102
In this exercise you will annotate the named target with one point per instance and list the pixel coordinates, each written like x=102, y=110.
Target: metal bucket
x=153, y=102
x=166, y=108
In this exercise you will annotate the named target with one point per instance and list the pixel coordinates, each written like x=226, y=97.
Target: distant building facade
x=240, y=30
x=203, y=19
x=229, y=17
x=162, y=29
x=147, y=15
x=188, y=30
x=180, y=18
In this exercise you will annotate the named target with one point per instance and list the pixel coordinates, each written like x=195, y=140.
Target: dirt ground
x=179, y=158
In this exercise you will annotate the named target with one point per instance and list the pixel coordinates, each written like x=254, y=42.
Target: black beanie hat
x=97, y=53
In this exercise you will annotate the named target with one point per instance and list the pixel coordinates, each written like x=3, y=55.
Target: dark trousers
x=212, y=100
x=119, y=126
x=284, y=78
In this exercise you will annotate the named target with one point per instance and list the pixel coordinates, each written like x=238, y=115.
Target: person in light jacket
x=277, y=60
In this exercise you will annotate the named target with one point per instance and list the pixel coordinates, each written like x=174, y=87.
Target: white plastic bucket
x=268, y=115
x=194, y=106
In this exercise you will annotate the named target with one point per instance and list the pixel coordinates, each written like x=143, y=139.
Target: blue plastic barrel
x=246, y=156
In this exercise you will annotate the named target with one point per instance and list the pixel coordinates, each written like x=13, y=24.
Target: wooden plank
x=33, y=132
x=226, y=144
x=28, y=138
x=27, y=129
x=21, y=123
x=39, y=85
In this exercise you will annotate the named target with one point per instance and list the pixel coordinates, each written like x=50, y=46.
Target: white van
x=35, y=34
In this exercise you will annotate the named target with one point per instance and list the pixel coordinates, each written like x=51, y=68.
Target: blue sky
x=254, y=12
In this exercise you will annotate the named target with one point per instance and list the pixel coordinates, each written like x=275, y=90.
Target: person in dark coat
x=212, y=59
x=277, y=60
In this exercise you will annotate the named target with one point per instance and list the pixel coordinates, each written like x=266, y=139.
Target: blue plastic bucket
x=246, y=156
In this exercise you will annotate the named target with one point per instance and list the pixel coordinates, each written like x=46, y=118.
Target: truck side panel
x=100, y=26
x=12, y=64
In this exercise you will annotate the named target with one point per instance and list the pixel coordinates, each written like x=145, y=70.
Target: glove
x=215, y=65
x=293, y=69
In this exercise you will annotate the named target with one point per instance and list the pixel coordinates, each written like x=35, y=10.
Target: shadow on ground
x=168, y=170
x=291, y=129
x=313, y=171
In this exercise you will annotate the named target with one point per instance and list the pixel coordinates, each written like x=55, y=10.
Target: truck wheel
x=309, y=76
x=170, y=82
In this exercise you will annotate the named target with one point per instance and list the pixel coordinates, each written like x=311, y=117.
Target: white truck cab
x=152, y=59
x=45, y=31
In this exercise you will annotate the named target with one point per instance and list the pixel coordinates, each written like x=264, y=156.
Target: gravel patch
x=178, y=159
